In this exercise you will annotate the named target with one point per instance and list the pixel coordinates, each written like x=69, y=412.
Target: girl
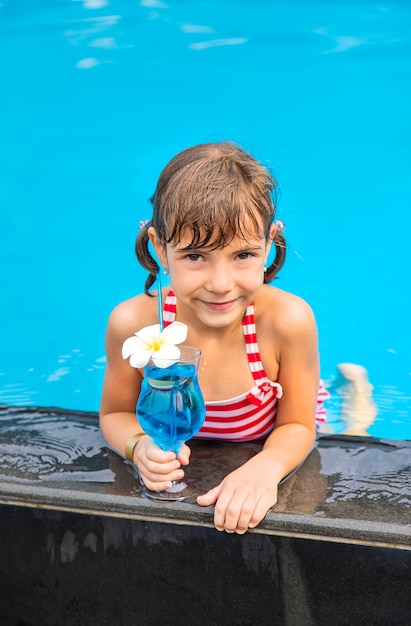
x=212, y=230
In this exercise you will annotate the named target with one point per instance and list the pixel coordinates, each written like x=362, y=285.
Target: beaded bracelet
x=131, y=444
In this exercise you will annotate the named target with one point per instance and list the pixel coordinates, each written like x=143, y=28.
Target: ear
x=159, y=248
x=270, y=238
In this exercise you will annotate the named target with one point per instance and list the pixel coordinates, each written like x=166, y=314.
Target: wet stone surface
x=349, y=488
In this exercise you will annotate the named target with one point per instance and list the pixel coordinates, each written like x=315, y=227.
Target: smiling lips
x=219, y=306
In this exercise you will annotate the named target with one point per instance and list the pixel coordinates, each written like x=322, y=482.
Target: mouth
x=219, y=306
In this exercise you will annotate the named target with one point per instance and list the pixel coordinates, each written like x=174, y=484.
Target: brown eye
x=193, y=257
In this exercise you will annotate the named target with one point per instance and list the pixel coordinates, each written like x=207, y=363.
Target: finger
x=158, y=483
x=162, y=464
x=249, y=514
x=260, y=512
x=155, y=453
x=162, y=469
x=156, y=486
x=239, y=511
x=156, y=460
x=184, y=454
x=210, y=497
x=221, y=507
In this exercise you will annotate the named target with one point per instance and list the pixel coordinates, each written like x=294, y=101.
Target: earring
x=265, y=269
x=165, y=271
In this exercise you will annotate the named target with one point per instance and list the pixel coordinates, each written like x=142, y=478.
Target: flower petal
x=149, y=334
x=174, y=333
x=132, y=344
x=166, y=356
x=140, y=358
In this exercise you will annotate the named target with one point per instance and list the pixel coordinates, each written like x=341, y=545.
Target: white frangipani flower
x=151, y=342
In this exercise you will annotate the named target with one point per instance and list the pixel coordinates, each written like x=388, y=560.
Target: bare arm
x=121, y=384
x=118, y=420
x=244, y=496
x=294, y=434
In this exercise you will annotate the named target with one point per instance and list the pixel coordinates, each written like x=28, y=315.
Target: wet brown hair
x=209, y=189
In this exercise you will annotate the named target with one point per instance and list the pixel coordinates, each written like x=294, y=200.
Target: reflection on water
x=35, y=445
x=379, y=473
x=357, y=410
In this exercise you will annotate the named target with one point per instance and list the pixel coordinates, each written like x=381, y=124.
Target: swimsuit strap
x=251, y=345
x=249, y=330
x=169, y=309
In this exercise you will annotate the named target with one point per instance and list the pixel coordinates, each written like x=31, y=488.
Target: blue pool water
x=97, y=95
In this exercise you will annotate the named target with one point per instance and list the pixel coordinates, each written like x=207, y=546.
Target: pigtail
x=145, y=259
x=276, y=265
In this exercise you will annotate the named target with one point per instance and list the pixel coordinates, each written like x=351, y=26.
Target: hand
x=243, y=498
x=158, y=468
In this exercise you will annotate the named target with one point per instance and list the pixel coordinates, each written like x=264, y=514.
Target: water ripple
x=368, y=472
x=55, y=445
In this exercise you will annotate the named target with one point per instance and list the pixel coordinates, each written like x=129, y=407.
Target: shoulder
x=283, y=312
x=131, y=315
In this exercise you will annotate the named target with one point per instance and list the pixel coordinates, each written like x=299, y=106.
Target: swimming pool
x=97, y=95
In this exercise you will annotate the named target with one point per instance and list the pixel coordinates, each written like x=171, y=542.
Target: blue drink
x=171, y=407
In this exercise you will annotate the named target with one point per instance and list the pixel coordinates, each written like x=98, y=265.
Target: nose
x=220, y=279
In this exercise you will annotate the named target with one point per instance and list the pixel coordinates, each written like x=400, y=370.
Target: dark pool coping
x=349, y=490
x=369, y=532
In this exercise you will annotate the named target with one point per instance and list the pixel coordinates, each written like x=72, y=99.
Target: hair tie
x=280, y=226
x=144, y=224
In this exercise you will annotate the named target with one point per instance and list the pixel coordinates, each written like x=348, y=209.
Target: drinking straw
x=160, y=301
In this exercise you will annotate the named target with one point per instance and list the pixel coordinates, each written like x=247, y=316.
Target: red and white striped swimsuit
x=249, y=416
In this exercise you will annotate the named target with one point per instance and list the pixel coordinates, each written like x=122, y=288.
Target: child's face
x=216, y=286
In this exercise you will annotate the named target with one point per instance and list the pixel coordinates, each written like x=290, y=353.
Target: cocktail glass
x=171, y=410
